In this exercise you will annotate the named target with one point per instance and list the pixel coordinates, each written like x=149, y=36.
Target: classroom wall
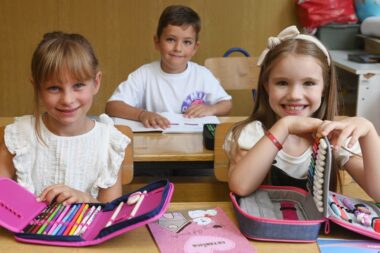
x=121, y=32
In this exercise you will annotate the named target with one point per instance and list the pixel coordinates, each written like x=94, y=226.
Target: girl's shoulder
x=20, y=133
x=250, y=134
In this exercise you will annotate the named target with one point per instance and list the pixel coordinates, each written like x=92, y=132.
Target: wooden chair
x=237, y=76
x=127, y=165
x=221, y=161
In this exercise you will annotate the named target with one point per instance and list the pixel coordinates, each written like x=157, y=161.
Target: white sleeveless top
x=84, y=162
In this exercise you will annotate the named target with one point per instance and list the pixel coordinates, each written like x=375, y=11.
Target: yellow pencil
x=77, y=222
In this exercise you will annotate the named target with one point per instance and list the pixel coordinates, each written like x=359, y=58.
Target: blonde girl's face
x=295, y=86
x=177, y=44
x=67, y=104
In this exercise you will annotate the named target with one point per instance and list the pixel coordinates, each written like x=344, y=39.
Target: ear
x=156, y=42
x=98, y=79
x=196, y=46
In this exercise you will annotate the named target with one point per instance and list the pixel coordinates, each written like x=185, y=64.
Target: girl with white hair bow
x=296, y=100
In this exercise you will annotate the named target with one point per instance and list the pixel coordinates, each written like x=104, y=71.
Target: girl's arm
x=366, y=170
x=111, y=193
x=248, y=169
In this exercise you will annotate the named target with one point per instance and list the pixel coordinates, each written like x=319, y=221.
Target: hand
x=155, y=120
x=61, y=193
x=198, y=110
x=340, y=130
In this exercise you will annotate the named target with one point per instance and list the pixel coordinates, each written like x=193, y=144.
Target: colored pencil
x=79, y=219
x=84, y=221
x=58, y=220
x=72, y=222
x=62, y=227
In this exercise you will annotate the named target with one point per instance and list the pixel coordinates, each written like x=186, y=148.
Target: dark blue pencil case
x=23, y=215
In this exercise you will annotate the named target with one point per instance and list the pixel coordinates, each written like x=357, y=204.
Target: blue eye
x=53, y=88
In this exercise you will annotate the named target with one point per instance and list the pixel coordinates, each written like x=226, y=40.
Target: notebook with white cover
x=179, y=124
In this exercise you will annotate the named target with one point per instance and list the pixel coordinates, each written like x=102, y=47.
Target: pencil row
x=60, y=220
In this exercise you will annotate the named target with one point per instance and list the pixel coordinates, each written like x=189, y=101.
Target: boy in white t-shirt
x=173, y=84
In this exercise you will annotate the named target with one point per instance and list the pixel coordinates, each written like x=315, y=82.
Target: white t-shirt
x=295, y=166
x=152, y=89
x=84, y=162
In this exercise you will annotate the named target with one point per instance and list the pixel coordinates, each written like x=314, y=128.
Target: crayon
x=72, y=222
x=46, y=222
x=43, y=219
x=91, y=219
x=84, y=221
x=62, y=227
x=58, y=220
x=79, y=219
x=36, y=219
x=52, y=222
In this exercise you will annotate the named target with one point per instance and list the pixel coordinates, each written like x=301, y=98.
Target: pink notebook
x=198, y=231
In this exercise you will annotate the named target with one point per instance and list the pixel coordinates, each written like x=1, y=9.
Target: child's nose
x=67, y=97
x=295, y=92
x=178, y=47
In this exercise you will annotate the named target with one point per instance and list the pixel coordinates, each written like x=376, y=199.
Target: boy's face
x=177, y=44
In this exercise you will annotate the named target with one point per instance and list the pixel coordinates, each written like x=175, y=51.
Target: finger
x=344, y=134
x=46, y=191
x=354, y=138
x=63, y=196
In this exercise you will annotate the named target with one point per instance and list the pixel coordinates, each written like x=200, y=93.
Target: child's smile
x=295, y=86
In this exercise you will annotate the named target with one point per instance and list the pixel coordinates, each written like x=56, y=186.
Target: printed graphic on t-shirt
x=195, y=98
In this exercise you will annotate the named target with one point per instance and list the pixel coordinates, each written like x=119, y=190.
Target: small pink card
x=198, y=231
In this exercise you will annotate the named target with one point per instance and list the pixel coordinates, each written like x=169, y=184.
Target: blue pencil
x=61, y=227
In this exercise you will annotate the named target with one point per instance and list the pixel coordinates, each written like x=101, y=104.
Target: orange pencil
x=76, y=224
x=67, y=231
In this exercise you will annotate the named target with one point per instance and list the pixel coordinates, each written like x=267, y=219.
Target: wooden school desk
x=140, y=240
x=158, y=147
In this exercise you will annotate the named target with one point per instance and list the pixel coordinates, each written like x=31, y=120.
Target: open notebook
x=179, y=124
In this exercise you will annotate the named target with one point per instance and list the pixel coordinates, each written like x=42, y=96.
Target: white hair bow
x=290, y=32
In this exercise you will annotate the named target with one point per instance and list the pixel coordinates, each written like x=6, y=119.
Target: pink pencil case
x=29, y=219
x=284, y=213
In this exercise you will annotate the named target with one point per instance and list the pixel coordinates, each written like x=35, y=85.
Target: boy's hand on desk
x=199, y=110
x=155, y=120
x=61, y=193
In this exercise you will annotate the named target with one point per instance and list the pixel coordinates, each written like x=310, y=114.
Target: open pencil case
x=285, y=213
x=80, y=224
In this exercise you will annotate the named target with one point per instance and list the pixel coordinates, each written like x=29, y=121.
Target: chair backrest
x=127, y=165
x=234, y=72
x=239, y=77
x=221, y=161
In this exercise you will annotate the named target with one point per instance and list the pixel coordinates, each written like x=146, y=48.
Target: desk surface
x=155, y=146
x=140, y=240
x=340, y=59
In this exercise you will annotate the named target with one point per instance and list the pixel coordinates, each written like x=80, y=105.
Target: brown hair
x=179, y=15
x=261, y=108
x=58, y=54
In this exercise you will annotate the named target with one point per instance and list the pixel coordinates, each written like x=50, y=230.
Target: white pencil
x=114, y=215
x=137, y=206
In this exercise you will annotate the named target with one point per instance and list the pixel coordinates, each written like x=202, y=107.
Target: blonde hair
x=57, y=55
x=261, y=108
